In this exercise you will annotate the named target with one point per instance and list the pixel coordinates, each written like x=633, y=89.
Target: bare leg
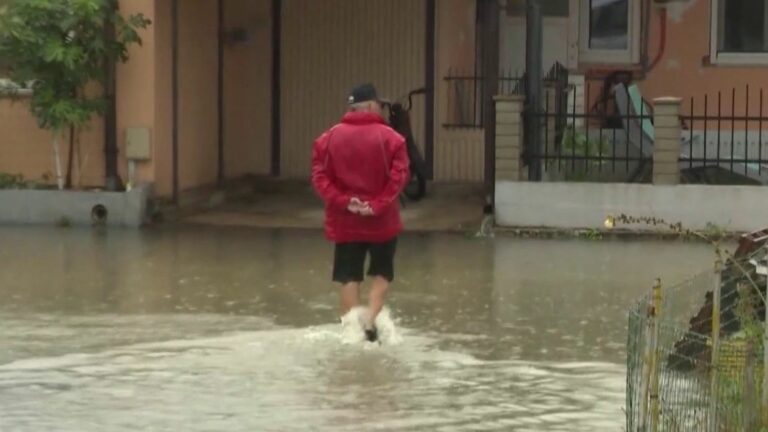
x=350, y=296
x=376, y=297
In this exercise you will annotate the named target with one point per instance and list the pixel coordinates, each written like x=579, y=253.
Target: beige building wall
x=329, y=46
x=684, y=70
x=458, y=152
x=198, y=93
x=136, y=88
x=26, y=149
x=247, y=89
x=163, y=103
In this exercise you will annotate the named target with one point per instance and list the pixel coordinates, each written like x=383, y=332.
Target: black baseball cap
x=363, y=93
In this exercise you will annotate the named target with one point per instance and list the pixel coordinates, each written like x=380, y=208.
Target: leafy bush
x=58, y=48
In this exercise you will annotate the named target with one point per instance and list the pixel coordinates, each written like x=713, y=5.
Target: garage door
x=329, y=46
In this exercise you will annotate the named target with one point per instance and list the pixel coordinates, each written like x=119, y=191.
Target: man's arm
x=323, y=176
x=398, y=178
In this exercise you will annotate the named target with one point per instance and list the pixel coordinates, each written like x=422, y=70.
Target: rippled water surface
x=200, y=329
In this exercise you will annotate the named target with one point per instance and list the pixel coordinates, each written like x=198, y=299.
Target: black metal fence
x=603, y=130
x=724, y=141
x=610, y=134
x=465, y=93
x=570, y=140
x=465, y=97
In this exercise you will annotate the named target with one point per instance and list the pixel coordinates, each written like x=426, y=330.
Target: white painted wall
x=586, y=205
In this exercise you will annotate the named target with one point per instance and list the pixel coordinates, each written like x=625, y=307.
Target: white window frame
x=726, y=58
x=631, y=55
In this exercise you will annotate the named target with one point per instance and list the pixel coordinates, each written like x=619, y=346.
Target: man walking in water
x=359, y=169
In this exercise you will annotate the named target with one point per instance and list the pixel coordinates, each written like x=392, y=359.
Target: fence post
x=666, y=146
x=650, y=379
x=655, y=412
x=551, y=114
x=715, y=354
x=764, y=396
x=749, y=394
x=509, y=137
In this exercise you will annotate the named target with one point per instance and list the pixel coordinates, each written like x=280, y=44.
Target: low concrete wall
x=586, y=205
x=49, y=207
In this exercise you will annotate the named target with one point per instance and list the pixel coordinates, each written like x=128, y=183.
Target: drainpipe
x=112, y=177
x=534, y=73
x=429, y=99
x=277, y=8
x=220, y=79
x=175, y=99
x=490, y=68
x=645, y=20
x=662, y=40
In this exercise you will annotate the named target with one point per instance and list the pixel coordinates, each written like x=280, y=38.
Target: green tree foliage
x=58, y=47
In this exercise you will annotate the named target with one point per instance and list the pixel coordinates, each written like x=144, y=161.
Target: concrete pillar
x=666, y=146
x=509, y=137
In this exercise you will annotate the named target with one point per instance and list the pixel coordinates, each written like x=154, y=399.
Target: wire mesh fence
x=695, y=354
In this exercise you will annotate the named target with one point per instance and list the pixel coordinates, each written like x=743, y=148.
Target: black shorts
x=349, y=261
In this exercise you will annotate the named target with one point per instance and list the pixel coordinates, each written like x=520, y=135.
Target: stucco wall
x=145, y=84
x=198, y=94
x=163, y=103
x=327, y=47
x=247, y=89
x=26, y=149
x=458, y=152
x=683, y=70
x=134, y=91
x=586, y=205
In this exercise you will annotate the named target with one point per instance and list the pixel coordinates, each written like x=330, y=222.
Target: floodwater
x=202, y=329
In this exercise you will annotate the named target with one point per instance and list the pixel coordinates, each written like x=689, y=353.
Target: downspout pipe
x=111, y=174
x=645, y=32
x=276, y=121
x=535, y=75
x=175, y=99
x=662, y=40
x=490, y=69
x=220, y=92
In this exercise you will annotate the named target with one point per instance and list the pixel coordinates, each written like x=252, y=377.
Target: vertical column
x=509, y=137
x=666, y=146
x=136, y=98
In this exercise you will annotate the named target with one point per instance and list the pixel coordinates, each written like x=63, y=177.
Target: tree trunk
x=57, y=159
x=68, y=181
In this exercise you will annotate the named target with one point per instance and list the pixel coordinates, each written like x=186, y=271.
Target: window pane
x=549, y=8
x=609, y=24
x=742, y=26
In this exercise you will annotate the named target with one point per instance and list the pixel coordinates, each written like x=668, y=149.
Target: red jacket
x=362, y=157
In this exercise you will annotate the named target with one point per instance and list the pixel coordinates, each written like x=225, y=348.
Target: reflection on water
x=204, y=329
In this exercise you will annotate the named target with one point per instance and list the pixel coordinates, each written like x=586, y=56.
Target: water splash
x=486, y=227
x=352, y=327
